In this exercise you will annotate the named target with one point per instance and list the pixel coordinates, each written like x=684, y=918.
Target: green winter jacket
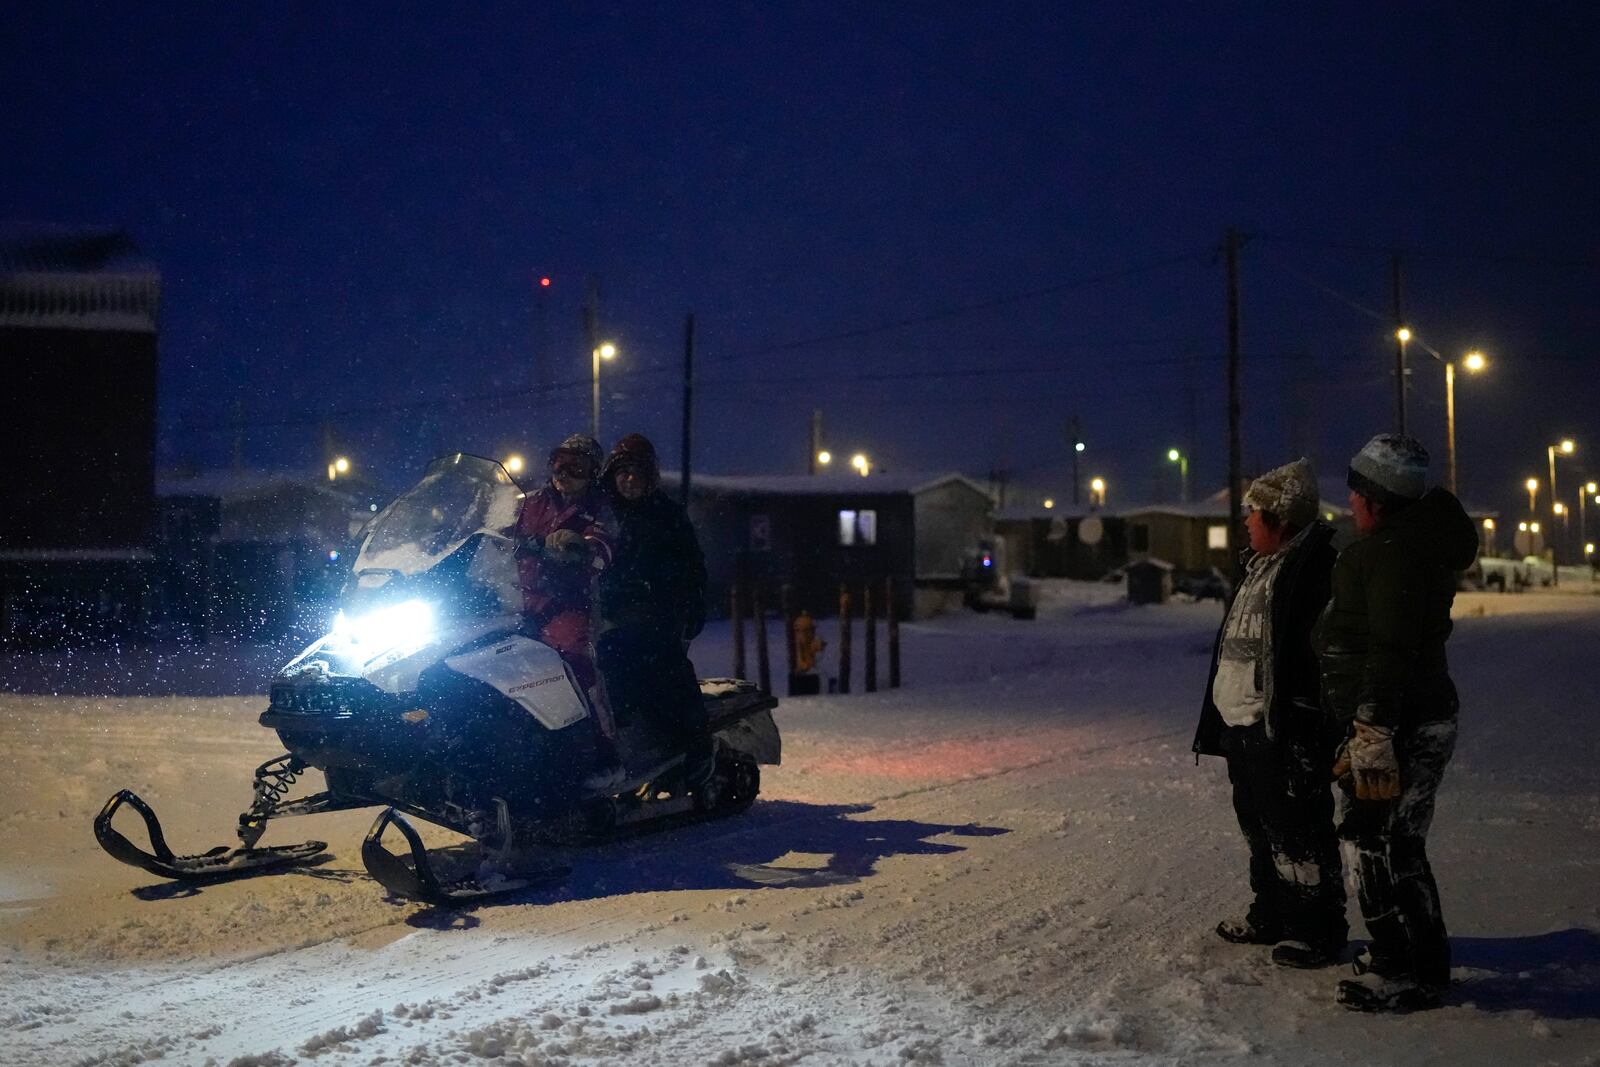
x=1380, y=641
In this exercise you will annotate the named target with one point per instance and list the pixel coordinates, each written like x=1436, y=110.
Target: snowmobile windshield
x=459, y=496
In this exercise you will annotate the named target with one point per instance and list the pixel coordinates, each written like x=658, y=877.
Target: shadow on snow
x=1554, y=975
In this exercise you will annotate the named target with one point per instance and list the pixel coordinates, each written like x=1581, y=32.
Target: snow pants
x=648, y=677
x=567, y=632
x=1385, y=844
x=1284, y=804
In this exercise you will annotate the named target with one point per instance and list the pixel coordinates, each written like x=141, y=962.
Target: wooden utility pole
x=758, y=612
x=591, y=333
x=1399, y=343
x=1231, y=243
x=816, y=440
x=688, y=404
x=869, y=613
x=844, y=639
x=786, y=605
x=893, y=615
x=736, y=610
x=1077, y=439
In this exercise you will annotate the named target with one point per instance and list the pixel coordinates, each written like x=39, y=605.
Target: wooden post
x=763, y=662
x=737, y=611
x=893, y=616
x=844, y=639
x=787, y=609
x=869, y=613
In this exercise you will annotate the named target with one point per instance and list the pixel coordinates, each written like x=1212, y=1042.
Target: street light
x=1532, y=485
x=513, y=464
x=339, y=466
x=1474, y=362
x=1403, y=335
x=1174, y=456
x=1566, y=447
x=1488, y=537
x=859, y=462
x=602, y=351
x=1583, y=510
x=1098, y=487
x=824, y=458
x=1049, y=503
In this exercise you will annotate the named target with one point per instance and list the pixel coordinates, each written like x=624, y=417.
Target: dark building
x=816, y=532
x=78, y=329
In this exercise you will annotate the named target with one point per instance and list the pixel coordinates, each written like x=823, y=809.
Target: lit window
x=858, y=527
x=1217, y=537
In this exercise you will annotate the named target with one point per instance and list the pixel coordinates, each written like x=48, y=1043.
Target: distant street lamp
x=1565, y=448
x=1174, y=456
x=1474, y=362
x=1488, y=537
x=337, y=467
x=1583, y=510
x=513, y=464
x=602, y=351
x=860, y=462
x=1049, y=503
x=1403, y=335
x=1532, y=485
x=1097, y=486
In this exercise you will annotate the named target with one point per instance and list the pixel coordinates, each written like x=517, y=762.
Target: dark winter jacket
x=658, y=577
x=1381, y=639
x=1299, y=591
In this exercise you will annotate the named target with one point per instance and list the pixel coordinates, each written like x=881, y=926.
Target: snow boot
x=1306, y=955
x=1371, y=991
x=1248, y=932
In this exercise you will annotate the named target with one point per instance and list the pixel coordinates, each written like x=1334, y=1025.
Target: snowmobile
x=429, y=698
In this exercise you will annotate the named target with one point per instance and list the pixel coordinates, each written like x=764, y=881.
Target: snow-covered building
x=1060, y=541
x=78, y=338
x=816, y=532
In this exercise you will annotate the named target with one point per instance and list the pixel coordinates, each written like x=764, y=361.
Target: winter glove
x=1370, y=751
x=566, y=547
x=1341, y=761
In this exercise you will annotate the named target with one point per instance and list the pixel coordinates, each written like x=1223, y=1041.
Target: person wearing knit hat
x=1261, y=712
x=565, y=539
x=1385, y=682
x=652, y=602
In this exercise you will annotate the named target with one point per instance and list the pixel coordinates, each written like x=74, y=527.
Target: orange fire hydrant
x=807, y=645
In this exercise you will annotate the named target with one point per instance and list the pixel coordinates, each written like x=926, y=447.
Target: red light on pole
x=544, y=283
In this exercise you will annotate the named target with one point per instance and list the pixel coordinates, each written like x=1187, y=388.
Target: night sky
x=950, y=226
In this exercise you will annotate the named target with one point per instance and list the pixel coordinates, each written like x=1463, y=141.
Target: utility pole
x=1077, y=446
x=1399, y=342
x=688, y=402
x=591, y=332
x=1231, y=243
x=816, y=440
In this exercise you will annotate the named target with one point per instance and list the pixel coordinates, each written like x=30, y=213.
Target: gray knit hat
x=1290, y=492
x=1395, y=464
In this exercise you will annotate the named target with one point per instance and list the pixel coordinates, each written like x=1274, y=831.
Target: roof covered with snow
x=896, y=483
x=78, y=278
x=236, y=486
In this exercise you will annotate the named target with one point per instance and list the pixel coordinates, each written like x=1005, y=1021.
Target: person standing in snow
x=1384, y=676
x=652, y=603
x=565, y=538
x=1261, y=712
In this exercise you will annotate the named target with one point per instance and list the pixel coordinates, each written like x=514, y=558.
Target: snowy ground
x=1013, y=860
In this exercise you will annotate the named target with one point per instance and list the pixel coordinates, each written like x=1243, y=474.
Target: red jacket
x=548, y=588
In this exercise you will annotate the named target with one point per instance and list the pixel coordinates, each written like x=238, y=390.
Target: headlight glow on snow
x=381, y=630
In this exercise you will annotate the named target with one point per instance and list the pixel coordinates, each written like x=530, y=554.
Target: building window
x=1138, y=537
x=1217, y=537
x=858, y=527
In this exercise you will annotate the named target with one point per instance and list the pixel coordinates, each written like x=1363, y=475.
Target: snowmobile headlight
x=378, y=631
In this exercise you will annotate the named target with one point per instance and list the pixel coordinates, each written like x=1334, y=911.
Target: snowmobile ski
x=419, y=882
x=217, y=864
